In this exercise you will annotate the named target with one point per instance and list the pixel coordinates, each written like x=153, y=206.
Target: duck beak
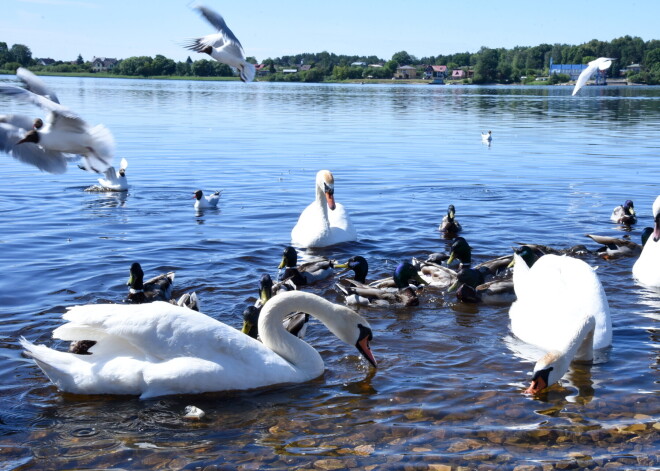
x=130, y=280
x=513, y=262
x=453, y=287
x=419, y=279
x=451, y=258
x=282, y=263
x=330, y=198
x=246, y=327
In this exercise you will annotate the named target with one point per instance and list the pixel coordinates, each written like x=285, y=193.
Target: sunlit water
x=448, y=390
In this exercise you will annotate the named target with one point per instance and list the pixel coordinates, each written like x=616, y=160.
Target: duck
x=554, y=296
x=115, y=180
x=157, y=349
x=189, y=300
x=295, y=323
x=471, y=287
x=645, y=270
x=434, y=274
x=460, y=250
x=487, y=136
x=158, y=288
x=449, y=225
x=206, y=202
x=358, y=264
x=307, y=273
x=613, y=247
x=624, y=213
x=62, y=137
x=318, y=227
x=356, y=293
x=222, y=46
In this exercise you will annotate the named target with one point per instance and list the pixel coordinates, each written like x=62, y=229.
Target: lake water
x=448, y=390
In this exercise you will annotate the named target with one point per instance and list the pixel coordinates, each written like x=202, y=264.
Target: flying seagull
x=48, y=144
x=223, y=46
x=602, y=63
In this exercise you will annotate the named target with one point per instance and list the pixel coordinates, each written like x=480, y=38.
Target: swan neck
x=580, y=346
x=321, y=201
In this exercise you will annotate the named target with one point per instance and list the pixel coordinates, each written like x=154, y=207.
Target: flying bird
x=49, y=144
x=223, y=46
x=602, y=63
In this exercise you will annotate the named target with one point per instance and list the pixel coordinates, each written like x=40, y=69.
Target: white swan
x=647, y=267
x=554, y=297
x=318, y=227
x=159, y=349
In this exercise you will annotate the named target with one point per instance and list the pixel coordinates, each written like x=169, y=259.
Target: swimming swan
x=645, y=269
x=159, y=349
x=316, y=226
x=554, y=297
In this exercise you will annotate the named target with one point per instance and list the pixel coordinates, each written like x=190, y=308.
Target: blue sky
x=61, y=29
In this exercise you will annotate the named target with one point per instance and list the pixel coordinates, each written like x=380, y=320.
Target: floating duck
x=307, y=273
x=449, y=225
x=158, y=288
x=624, y=213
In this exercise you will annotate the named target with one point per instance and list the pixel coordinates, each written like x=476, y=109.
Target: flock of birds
x=154, y=345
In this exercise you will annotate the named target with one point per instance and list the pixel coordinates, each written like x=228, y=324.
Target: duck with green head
x=404, y=275
x=307, y=273
x=158, y=288
x=449, y=225
x=358, y=264
x=461, y=251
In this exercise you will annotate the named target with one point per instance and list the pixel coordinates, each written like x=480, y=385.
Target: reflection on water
x=448, y=390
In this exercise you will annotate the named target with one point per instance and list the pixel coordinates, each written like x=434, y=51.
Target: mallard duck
x=434, y=274
x=158, y=288
x=189, y=300
x=613, y=247
x=461, y=251
x=560, y=303
x=318, y=227
x=449, y=224
x=646, y=268
x=159, y=349
x=358, y=264
x=471, y=287
x=206, y=202
x=307, y=273
x=295, y=323
x=624, y=213
x=359, y=294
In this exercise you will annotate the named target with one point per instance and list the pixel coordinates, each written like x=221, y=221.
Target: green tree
x=486, y=69
x=80, y=60
x=402, y=58
x=4, y=53
x=21, y=54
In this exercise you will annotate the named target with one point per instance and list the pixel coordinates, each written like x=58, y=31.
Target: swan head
x=547, y=371
x=251, y=321
x=289, y=258
x=136, y=276
x=359, y=266
x=30, y=136
x=460, y=250
x=325, y=182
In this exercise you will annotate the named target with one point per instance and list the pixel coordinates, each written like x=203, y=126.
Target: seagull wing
x=123, y=164
x=30, y=153
x=35, y=84
x=584, y=76
x=42, y=102
x=219, y=23
x=18, y=120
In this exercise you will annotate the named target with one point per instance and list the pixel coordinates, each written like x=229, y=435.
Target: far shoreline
x=615, y=82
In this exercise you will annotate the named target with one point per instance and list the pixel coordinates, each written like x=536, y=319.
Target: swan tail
x=61, y=368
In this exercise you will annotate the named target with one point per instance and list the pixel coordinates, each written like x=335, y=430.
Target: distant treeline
x=488, y=65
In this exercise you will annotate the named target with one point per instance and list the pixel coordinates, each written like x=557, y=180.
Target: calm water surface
x=448, y=387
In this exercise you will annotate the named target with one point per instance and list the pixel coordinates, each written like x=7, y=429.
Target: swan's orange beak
x=363, y=346
x=330, y=198
x=537, y=385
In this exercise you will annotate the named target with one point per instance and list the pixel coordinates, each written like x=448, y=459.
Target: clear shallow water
x=448, y=387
